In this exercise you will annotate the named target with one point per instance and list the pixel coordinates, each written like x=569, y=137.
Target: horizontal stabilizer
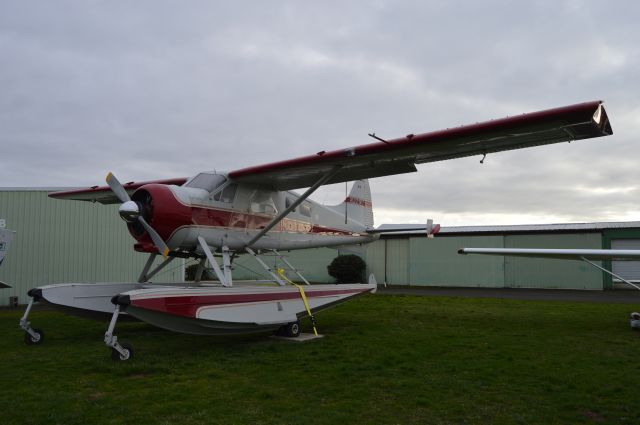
x=429, y=229
x=4, y=285
x=105, y=195
x=562, y=254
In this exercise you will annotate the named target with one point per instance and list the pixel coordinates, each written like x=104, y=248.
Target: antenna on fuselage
x=378, y=138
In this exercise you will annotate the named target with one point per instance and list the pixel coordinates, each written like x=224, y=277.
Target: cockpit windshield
x=206, y=181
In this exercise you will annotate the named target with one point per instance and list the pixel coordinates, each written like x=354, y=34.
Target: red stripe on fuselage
x=188, y=305
x=215, y=217
x=358, y=201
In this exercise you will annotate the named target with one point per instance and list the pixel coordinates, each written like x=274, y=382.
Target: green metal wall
x=436, y=262
x=375, y=259
x=547, y=273
x=397, y=264
x=420, y=261
x=66, y=241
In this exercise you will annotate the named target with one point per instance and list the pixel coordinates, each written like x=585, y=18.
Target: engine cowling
x=162, y=210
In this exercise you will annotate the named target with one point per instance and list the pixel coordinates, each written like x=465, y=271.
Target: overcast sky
x=158, y=89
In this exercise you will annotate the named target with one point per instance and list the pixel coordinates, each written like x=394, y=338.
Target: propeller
x=130, y=212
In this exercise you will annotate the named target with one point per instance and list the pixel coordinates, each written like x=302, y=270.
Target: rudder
x=358, y=204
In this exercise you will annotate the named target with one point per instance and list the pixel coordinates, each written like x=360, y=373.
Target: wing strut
x=322, y=180
x=146, y=275
x=223, y=277
x=610, y=272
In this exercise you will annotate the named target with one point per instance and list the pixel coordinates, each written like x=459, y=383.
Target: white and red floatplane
x=252, y=211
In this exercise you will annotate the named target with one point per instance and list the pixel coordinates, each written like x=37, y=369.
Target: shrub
x=347, y=268
x=190, y=273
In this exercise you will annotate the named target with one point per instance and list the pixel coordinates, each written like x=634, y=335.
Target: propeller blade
x=117, y=188
x=155, y=237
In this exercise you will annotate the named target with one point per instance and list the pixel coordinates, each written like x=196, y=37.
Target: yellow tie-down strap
x=304, y=298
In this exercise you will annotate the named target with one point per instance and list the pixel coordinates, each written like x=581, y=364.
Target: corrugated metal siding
x=397, y=264
x=546, y=273
x=62, y=241
x=375, y=259
x=436, y=262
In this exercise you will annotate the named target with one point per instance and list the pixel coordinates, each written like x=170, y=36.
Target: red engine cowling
x=162, y=210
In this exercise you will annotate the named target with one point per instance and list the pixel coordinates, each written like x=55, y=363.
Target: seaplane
x=6, y=236
x=255, y=211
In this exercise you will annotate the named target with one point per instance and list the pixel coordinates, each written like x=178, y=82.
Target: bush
x=347, y=269
x=190, y=273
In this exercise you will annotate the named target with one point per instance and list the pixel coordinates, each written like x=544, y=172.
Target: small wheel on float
x=121, y=357
x=292, y=329
x=37, y=338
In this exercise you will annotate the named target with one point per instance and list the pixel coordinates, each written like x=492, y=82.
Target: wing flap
x=104, y=194
x=574, y=122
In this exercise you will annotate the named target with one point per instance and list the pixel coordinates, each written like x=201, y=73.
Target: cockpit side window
x=305, y=209
x=288, y=202
x=206, y=181
x=227, y=194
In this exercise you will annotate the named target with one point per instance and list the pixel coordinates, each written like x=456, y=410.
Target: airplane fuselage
x=228, y=214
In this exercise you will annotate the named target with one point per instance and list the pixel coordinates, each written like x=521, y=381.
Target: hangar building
x=59, y=241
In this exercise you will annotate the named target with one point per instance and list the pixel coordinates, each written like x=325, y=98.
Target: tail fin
x=357, y=205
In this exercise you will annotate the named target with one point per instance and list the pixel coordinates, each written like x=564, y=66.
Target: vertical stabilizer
x=357, y=206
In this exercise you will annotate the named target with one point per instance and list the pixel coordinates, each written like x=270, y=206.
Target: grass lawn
x=384, y=359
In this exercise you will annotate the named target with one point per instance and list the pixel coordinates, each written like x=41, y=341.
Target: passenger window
x=227, y=194
x=305, y=210
x=288, y=202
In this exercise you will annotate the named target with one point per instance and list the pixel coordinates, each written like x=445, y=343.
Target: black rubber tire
x=292, y=330
x=116, y=356
x=28, y=339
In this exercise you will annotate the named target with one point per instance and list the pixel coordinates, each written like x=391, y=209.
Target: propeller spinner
x=130, y=212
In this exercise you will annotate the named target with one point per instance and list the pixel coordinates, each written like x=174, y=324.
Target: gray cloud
x=161, y=89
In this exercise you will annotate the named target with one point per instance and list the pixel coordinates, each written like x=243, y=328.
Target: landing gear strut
x=119, y=352
x=31, y=336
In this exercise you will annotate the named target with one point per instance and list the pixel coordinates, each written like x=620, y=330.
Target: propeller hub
x=129, y=211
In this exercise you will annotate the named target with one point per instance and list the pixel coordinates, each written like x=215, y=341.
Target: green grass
x=384, y=359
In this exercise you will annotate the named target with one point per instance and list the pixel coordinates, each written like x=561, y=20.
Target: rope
x=304, y=299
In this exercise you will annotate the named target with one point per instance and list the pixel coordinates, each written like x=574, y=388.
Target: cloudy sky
x=158, y=89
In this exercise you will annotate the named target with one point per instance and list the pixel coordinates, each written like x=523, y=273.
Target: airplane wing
x=563, y=254
x=104, y=195
x=383, y=158
x=574, y=122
